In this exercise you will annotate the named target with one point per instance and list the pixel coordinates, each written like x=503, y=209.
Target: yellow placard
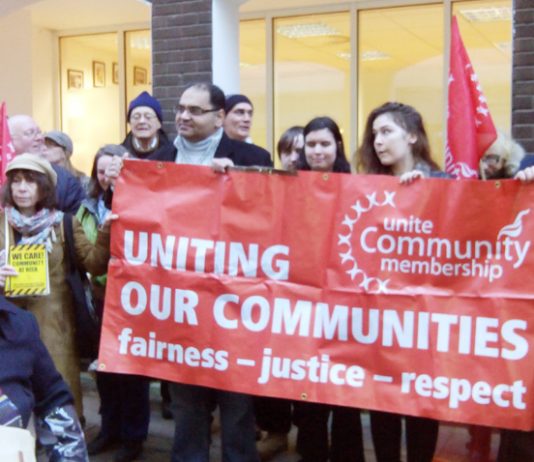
x=31, y=262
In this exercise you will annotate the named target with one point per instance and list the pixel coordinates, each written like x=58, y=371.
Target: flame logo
x=516, y=228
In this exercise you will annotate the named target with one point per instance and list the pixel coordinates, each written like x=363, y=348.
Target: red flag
x=470, y=129
x=7, y=151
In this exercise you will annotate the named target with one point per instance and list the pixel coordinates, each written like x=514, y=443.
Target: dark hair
x=341, y=165
x=288, y=139
x=411, y=121
x=217, y=97
x=108, y=150
x=45, y=189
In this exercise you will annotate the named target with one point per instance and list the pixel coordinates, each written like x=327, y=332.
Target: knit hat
x=232, y=100
x=61, y=139
x=145, y=99
x=33, y=162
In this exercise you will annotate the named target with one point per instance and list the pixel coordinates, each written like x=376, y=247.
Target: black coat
x=27, y=375
x=69, y=191
x=241, y=154
x=164, y=151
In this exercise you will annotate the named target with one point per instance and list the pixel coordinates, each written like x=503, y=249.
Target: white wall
x=90, y=114
x=28, y=64
x=44, y=78
x=16, y=61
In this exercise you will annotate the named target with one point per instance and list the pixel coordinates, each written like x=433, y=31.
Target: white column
x=225, y=44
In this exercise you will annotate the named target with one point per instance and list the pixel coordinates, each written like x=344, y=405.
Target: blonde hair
x=509, y=151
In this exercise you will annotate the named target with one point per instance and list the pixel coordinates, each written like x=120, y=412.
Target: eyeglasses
x=31, y=132
x=138, y=115
x=491, y=159
x=195, y=111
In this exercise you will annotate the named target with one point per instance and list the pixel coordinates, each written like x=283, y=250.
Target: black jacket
x=241, y=153
x=69, y=190
x=27, y=375
x=164, y=151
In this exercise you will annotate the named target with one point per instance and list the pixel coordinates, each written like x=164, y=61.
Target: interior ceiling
x=253, y=6
x=61, y=15
x=383, y=30
x=135, y=42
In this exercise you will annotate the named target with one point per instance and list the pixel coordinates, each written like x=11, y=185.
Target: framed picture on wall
x=74, y=79
x=139, y=76
x=115, y=73
x=99, y=74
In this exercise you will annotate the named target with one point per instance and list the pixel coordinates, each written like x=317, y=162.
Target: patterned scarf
x=37, y=229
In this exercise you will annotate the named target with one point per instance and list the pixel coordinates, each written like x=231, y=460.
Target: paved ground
x=451, y=444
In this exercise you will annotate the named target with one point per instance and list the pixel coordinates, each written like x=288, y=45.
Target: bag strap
x=69, y=240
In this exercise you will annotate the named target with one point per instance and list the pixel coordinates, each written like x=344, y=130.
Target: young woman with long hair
x=324, y=152
x=395, y=143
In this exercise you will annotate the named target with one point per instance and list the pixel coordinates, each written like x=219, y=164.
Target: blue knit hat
x=145, y=99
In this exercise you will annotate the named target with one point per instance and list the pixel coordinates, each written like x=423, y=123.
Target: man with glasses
x=147, y=140
x=501, y=160
x=27, y=137
x=202, y=141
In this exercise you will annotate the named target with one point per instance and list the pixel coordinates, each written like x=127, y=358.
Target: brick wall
x=181, y=50
x=523, y=74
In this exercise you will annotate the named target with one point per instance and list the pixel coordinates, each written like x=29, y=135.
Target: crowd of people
x=41, y=366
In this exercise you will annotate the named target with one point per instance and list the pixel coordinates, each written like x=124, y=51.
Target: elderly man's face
x=238, y=121
x=26, y=135
x=144, y=122
x=196, y=119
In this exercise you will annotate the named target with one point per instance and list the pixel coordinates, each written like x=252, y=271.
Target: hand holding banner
x=343, y=289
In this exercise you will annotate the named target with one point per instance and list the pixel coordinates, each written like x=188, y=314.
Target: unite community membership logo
x=377, y=244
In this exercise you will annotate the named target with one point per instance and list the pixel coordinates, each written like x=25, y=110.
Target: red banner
x=343, y=289
x=7, y=151
x=470, y=129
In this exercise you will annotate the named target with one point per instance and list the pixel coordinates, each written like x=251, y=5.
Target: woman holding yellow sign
x=35, y=250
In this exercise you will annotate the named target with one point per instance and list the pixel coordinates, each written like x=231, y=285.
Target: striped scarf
x=37, y=229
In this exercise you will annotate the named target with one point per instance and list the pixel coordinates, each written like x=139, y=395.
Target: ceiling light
x=343, y=55
x=374, y=55
x=312, y=29
x=140, y=43
x=489, y=14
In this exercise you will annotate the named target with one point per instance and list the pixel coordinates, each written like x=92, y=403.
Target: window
x=400, y=58
x=92, y=88
x=312, y=71
x=253, y=75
